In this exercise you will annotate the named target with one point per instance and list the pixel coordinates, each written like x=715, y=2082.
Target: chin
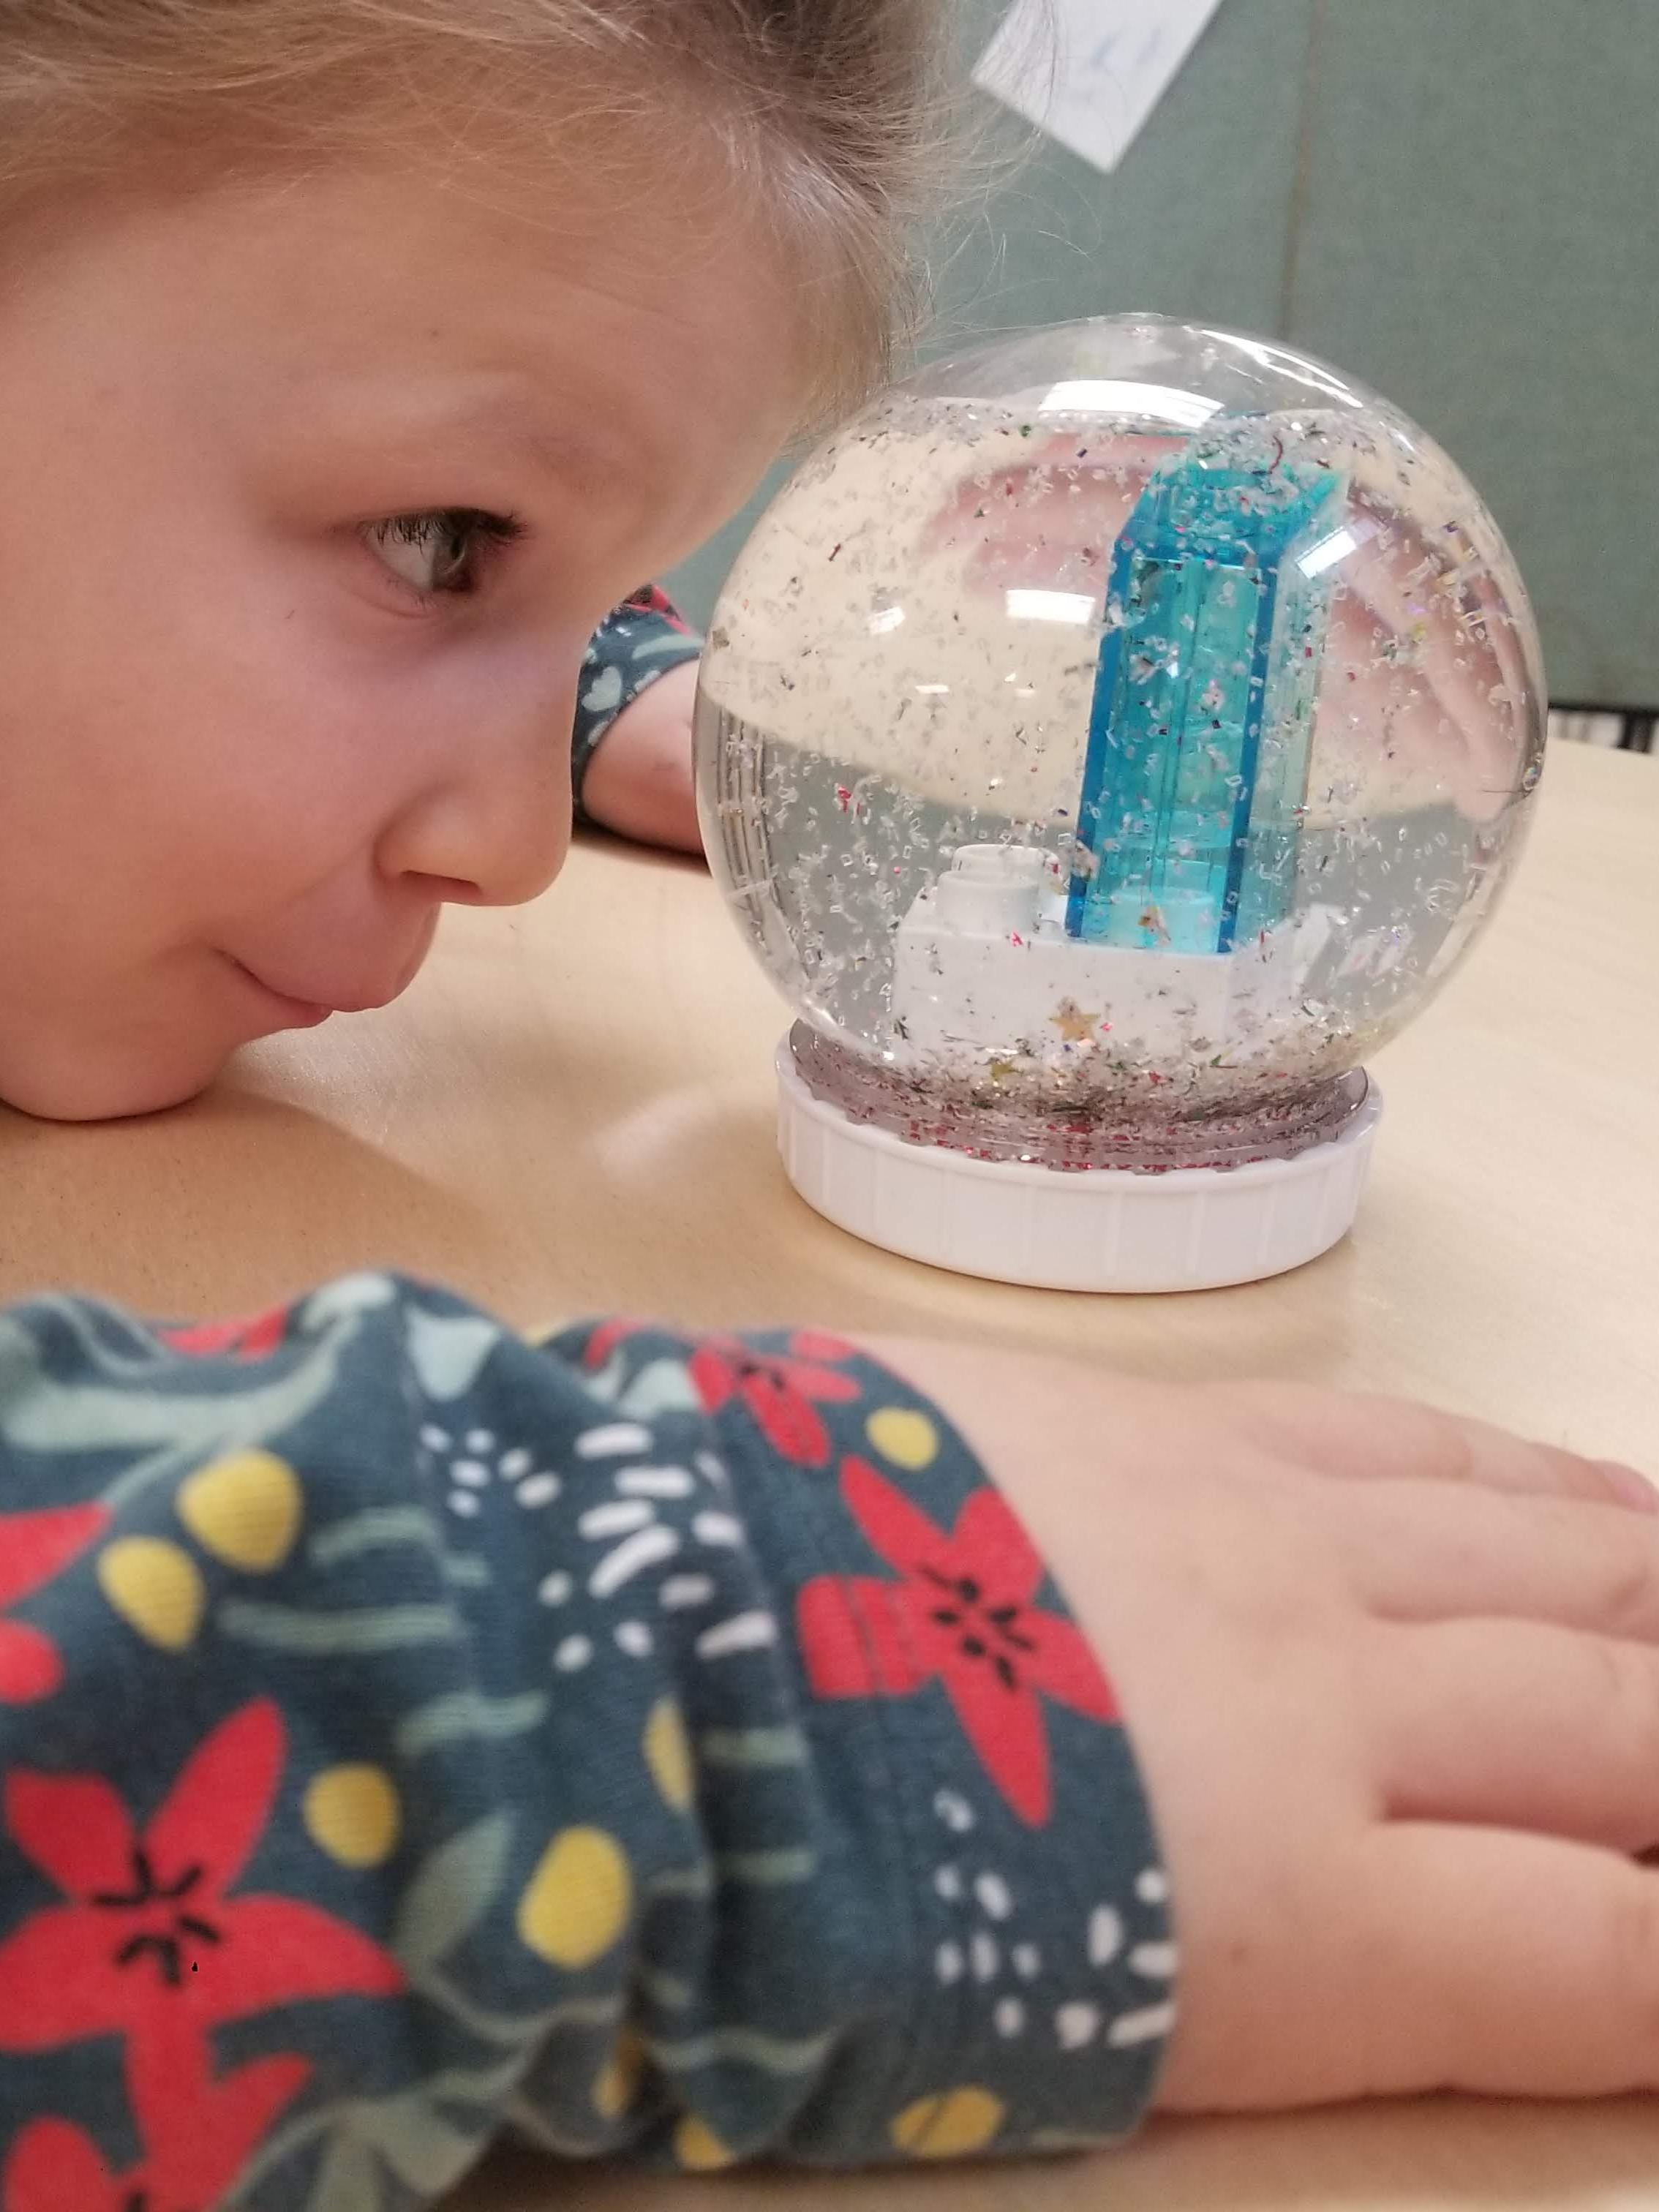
x=93, y=1087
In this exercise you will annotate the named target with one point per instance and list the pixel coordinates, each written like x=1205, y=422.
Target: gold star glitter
x=1073, y=1025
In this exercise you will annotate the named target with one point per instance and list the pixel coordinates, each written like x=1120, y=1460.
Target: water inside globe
x=1102, y=787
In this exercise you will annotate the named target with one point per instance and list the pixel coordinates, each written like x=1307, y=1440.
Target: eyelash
x=462, y=530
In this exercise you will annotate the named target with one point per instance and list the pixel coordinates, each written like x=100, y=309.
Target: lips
x=310, y=1005
x=310, y=998
x=280, y=1010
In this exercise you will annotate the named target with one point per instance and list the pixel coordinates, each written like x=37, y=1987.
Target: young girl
x=640, y=1743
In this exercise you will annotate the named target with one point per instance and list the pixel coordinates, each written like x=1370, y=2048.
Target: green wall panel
x=1479, y=237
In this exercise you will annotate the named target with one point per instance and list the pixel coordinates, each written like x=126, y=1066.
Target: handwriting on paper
x=1090, y=72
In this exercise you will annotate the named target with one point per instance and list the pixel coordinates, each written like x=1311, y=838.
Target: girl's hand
x=1393, y=1682
x=639, y=782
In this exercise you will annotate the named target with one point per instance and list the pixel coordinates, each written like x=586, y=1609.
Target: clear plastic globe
x=1110, y=740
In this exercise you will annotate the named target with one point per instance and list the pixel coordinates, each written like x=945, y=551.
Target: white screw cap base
x=1093, y=1228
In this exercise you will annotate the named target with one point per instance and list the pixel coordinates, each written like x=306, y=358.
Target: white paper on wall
x=1090, y=72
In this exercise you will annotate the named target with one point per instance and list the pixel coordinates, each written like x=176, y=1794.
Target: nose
x=490, y=825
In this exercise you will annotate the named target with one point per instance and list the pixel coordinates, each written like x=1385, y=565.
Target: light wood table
x=571, y=1112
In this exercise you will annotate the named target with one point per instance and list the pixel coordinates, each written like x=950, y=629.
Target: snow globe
x=1108, y=740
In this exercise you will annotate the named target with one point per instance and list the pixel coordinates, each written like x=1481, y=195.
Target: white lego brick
x=983, y=963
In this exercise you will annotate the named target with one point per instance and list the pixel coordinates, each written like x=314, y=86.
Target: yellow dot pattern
x=576, y=1904
x=246, y=1510
x=903, y=1436
x=620, y=2078
x=698, y=2148
x=156, y=1588
x=354, y=1814
x=953, y=2124
x=668, y=1755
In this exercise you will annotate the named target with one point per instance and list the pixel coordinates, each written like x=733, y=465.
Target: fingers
x=1508, y=1965
x=1516, y=1725
x=1438, y=1551
x=1385, y=1438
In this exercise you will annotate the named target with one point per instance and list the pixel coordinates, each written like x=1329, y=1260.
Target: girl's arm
x=676, y=1746
x=631, y=751
x=643, y=1744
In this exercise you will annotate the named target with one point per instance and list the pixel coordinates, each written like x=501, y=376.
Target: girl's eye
x=442, y=549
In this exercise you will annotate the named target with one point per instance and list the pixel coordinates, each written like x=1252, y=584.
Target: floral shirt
x=645, y=637
x=635, y=1744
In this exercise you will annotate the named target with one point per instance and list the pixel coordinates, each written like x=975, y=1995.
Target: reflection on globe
x=1108, y=740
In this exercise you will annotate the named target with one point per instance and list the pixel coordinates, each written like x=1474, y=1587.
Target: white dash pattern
x=1105, y=1936
x=614, y=1520
x=647, y=1548
x=1144, y=2026
x=743, y=1632
x=680, y=1591
x=655, y=1482
x=616, y=1440
x=955, y=1811
x=994, y=1896
x=1154, y=1962
x=718, y=1528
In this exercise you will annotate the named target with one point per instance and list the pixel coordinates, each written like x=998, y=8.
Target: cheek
x=175, y=722
x=199, y=725
x=163, y=772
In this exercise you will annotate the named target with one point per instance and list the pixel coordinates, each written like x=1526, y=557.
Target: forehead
x=586, y=321
x=631, y=298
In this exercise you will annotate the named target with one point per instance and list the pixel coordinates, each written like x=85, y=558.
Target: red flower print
x=53, y=2167
x=651, y=599
x=33, y=1547
x=248, y=1340
x=961, y=1614
x=151, y=1944
x=606, y=1337
x=779, y=1393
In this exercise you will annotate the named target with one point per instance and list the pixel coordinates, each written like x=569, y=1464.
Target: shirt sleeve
x=642, y=1744
x=642, y=640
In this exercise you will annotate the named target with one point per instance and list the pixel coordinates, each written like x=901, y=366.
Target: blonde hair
x=824, y=111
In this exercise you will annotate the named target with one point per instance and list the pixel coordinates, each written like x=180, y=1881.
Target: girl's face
x=310, y=500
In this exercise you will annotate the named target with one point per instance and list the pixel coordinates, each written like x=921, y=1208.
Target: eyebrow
x=588, y=457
